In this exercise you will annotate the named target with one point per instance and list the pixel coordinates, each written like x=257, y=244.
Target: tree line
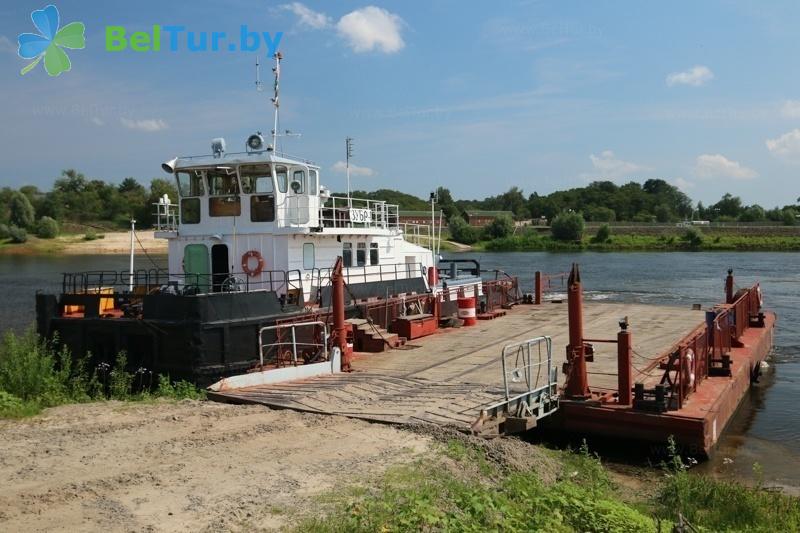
x=76, y=199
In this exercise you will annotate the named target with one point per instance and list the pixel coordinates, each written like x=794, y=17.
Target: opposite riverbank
x=694, y=241
x=108, y=243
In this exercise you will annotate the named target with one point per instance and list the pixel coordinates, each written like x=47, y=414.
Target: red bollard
x=537, y=289
x=339, y=326
x=624, y=365
x=577, y=387
x=729, y=287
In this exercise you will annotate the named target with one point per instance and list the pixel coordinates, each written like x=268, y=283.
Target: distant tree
x=728, y=206
x=446, y=203
x=600, y=214
x=21, y=210
x=663, y=213
x=462, y=232
x=500, y=227
x=789, y=217
x=18, y=235
x=603, y=234
x=753, y=213
x=47, y=228
x=567, y=226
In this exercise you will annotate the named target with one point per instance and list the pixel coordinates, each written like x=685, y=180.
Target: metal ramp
x=528, y=393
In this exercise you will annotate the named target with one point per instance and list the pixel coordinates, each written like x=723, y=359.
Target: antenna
x=275, y=101
x=348, y=142
x=259, y=84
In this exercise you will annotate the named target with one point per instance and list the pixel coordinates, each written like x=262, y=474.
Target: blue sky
x=539, y=95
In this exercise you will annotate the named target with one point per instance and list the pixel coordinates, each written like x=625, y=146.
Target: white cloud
x=97, y=121
x=148, y=125
x=7, y=46
x=787, y=145
x=695, y=76
x=608, y=166
x=372, y=28
x=341, y=166
x=719, y=166
x=791, y=109
x=683, y=185
x=308, y=17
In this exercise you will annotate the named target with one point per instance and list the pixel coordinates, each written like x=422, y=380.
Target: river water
x=766, y=430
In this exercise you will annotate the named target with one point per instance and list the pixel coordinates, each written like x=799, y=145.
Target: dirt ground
x=187, y=466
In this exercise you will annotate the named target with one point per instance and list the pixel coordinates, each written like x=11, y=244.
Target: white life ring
x=760, y=296
x=688, y=359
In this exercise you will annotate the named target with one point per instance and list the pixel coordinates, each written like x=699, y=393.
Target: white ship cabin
x=260, y=220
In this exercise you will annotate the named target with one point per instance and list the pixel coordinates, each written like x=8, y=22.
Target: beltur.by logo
x=175, y=38
x=50, y=42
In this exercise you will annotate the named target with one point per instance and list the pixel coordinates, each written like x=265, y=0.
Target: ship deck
x=447, y=377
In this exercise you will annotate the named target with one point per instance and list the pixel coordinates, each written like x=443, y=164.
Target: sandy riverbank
x=110, y=244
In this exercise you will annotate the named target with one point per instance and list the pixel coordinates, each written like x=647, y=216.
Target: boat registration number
x=360, y=215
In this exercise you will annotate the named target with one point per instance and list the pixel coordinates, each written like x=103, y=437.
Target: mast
x=348, y=142
x=275, y=102
x=130, y=269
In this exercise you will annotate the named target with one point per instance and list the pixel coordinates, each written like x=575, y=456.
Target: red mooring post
x=729, y=287
x=577, y=382
x=339, y=327
x=624, y=364
x=537, y=288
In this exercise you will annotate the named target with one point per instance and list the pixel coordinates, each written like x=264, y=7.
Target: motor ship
x=252, y=239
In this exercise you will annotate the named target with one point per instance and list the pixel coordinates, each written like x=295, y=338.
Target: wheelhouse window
x=282, y=176
x=190, y=188
x=298, y=182
x=361, y=254
x=373, y=253
x=223, y=189
x=347, y=254
x=313, y=182
x=257, y=180
x=308, y=255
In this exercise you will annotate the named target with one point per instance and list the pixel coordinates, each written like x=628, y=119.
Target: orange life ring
x=252, y=272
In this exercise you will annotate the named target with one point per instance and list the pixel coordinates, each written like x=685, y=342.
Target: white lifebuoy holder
x=247, y=269
x=760, y=296
x=688, y=360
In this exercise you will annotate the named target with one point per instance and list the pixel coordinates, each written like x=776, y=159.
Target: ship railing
x=706, y=351
x=294, y=343
x=341, y=212
x=145, y=281
x=530, y=388
x=420, y=234
x=321, y=277
x=501, y=293
x=166, y=215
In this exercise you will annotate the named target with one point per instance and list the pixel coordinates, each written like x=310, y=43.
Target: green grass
x=461, y=489
x=35, y=374
x=534, y=242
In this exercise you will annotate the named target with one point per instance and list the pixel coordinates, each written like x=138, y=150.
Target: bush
x=601, y=214
x=22, y=213
x=500, y=227
x=603, y=234
x=4, y=232
x=463, y=232
x=47, y=228
x=567, y=227
x=18, y=235
x=789, y=217
x=92, y=235
x=694, y=237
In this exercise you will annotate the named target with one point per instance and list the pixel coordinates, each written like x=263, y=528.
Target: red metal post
x=577, y=381
x=339, y=326
x=537, y=298
x=729, y=287
x=624, y=365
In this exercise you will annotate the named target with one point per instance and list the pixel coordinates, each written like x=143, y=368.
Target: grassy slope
x=469, y=487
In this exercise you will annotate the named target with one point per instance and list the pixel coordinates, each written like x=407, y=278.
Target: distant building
x=419, y=217
x=478, y=219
